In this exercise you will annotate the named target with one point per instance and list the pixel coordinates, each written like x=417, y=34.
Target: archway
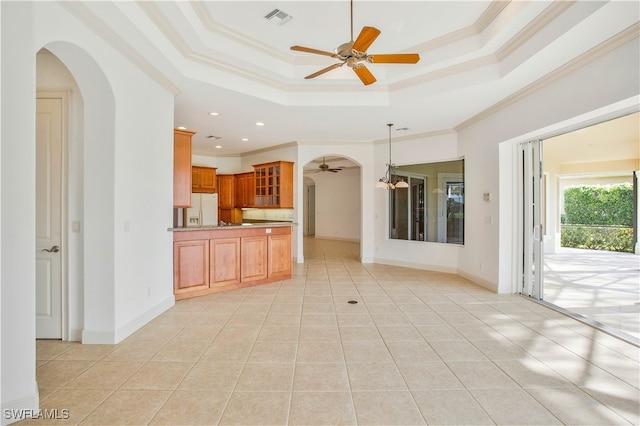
x=89, y=197
x=337, y=210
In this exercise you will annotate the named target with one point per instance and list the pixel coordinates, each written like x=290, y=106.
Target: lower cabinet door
x=279, y=255
x=190, y=265
x=254, y=258
x=224, y=261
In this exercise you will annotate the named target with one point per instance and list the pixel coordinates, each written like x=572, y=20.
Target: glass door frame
x=530, y=227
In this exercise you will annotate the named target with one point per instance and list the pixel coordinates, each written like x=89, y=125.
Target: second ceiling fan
x=354, y=54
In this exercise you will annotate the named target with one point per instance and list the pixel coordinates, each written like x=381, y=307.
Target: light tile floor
x=419, y=347
x=603, y=286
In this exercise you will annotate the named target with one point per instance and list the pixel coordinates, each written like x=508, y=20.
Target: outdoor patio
x=601, y=285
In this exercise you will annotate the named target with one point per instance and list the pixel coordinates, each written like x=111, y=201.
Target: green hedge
x=599, y=205
x=611, y=238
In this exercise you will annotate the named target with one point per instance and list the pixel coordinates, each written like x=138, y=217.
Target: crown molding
x=623, y=37
x=87, y=17
x=424, y=135
x=223, y=31
x=461, y=67
x=491, y=13
x=268, y=149
x=175, y=38
x=488, y=16
x=549, y=14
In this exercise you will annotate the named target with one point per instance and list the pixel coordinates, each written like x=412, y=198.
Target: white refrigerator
x=203, y=210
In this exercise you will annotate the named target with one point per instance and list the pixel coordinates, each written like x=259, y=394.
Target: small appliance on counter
x=203, y=210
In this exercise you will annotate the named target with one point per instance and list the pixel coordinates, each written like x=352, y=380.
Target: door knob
x=53, y=249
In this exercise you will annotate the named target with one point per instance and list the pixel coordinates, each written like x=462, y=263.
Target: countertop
x=234, y=226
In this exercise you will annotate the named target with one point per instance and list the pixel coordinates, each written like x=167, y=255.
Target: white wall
x=441, y=257
x=338, y=210
x=17, y=250
x=223, y=165
x=125, y=200
x=606, y=87
x=362, y=155
x=1, y=38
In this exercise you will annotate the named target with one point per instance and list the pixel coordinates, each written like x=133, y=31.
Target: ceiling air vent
x=278, y=17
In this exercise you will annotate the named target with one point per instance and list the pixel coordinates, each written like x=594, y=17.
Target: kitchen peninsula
x=212, y=259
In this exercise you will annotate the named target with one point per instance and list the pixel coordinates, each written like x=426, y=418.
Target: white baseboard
x=348, y=240
x=20, y=409
x=111, y=337
x=435, y=268
x=98, y=337
x=480, y=281
x=75, y=335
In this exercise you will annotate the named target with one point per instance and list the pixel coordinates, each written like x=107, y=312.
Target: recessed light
x=214, y=113
x=218, y=146
x=259, y=123
x=245, y=140
x=182, y=128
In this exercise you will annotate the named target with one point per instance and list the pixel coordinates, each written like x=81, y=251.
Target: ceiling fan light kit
x=354, y=54
x=385, y=181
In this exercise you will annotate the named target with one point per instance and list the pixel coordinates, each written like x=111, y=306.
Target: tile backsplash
x=268, y=214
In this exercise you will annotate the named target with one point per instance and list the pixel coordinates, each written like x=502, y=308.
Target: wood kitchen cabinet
x=213, y=260
x=274, y=184
x=190, y=266
x=226, y=200
x=254, y=255
x=226, y=191
x=245, y=189
x=279, y=249
x=182, y=167
x=203, y=179
x=224, y=261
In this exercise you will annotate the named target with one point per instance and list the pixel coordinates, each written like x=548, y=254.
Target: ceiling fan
x=354, y=53
x=324, y=167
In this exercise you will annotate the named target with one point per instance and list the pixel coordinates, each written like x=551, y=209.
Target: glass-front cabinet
x=274, y=184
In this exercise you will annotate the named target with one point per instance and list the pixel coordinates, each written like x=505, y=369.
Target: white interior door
x=49, y=134
x=530, y=229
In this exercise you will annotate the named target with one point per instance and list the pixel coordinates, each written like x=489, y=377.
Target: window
x=432, y=208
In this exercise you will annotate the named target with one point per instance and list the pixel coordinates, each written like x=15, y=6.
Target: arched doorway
x=87, y=175
x=332, y=199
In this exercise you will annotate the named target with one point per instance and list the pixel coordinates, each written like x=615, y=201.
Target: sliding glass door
x=530, y=232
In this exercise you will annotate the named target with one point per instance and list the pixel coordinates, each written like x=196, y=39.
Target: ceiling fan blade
x=394, y=58
x=324, y=70
x=365, y=75
x=316, y=51
x=367, y=36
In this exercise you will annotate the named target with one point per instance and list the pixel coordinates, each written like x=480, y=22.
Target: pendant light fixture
x=385, y=182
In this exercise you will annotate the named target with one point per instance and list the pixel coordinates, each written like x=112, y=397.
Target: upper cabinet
x=226, y=193
x=274, y=184
x=245, y=188
x=182, y=167
x=204, y=179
